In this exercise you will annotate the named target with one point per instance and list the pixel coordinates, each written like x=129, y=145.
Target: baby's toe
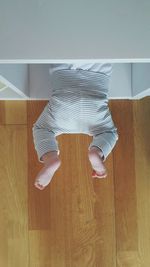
x=101, y=174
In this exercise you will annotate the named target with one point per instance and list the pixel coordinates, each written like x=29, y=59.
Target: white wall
x=81, y=29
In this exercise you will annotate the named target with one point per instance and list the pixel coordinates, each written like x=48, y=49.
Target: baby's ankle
x=98, y=150
x=50, y=157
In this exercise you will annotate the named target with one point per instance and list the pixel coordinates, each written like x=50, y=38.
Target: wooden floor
x=76, y=221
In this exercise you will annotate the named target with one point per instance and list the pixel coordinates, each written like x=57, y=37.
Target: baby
x=78, y=104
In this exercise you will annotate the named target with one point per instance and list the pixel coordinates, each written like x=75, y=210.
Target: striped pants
x=78, y=104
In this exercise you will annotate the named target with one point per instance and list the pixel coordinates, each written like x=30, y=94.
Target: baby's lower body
x=78, y=104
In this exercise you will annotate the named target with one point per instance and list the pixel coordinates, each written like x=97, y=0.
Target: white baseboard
x=138, y=97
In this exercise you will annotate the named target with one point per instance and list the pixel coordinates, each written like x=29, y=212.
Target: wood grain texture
x=38, y=201
x=13, y=205
x=2, y=112
x=125, y=180
x=15, y=112
x=77, y=220
x=142, y=166
x=90, y=212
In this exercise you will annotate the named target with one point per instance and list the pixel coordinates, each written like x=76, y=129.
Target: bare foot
x=95, y=158
x=45, y=175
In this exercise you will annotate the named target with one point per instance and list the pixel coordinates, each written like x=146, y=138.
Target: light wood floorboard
x=76, y=221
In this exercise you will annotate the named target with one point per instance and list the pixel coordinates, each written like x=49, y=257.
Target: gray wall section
x=39, y=81
x=81, y=29
x=120, y=83
x=140, y=78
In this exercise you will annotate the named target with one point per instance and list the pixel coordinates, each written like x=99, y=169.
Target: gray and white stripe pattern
x=78, y=104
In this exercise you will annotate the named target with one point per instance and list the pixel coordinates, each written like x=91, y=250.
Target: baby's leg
x=47, y=148
x=99, y=149
x=51, y=164
x=96, y=159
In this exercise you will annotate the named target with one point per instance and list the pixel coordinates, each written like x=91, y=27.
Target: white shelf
x=14, y=81
x=9, y=94
x=32, y=81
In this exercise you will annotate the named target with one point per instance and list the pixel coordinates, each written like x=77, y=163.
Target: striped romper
x=78, y=104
